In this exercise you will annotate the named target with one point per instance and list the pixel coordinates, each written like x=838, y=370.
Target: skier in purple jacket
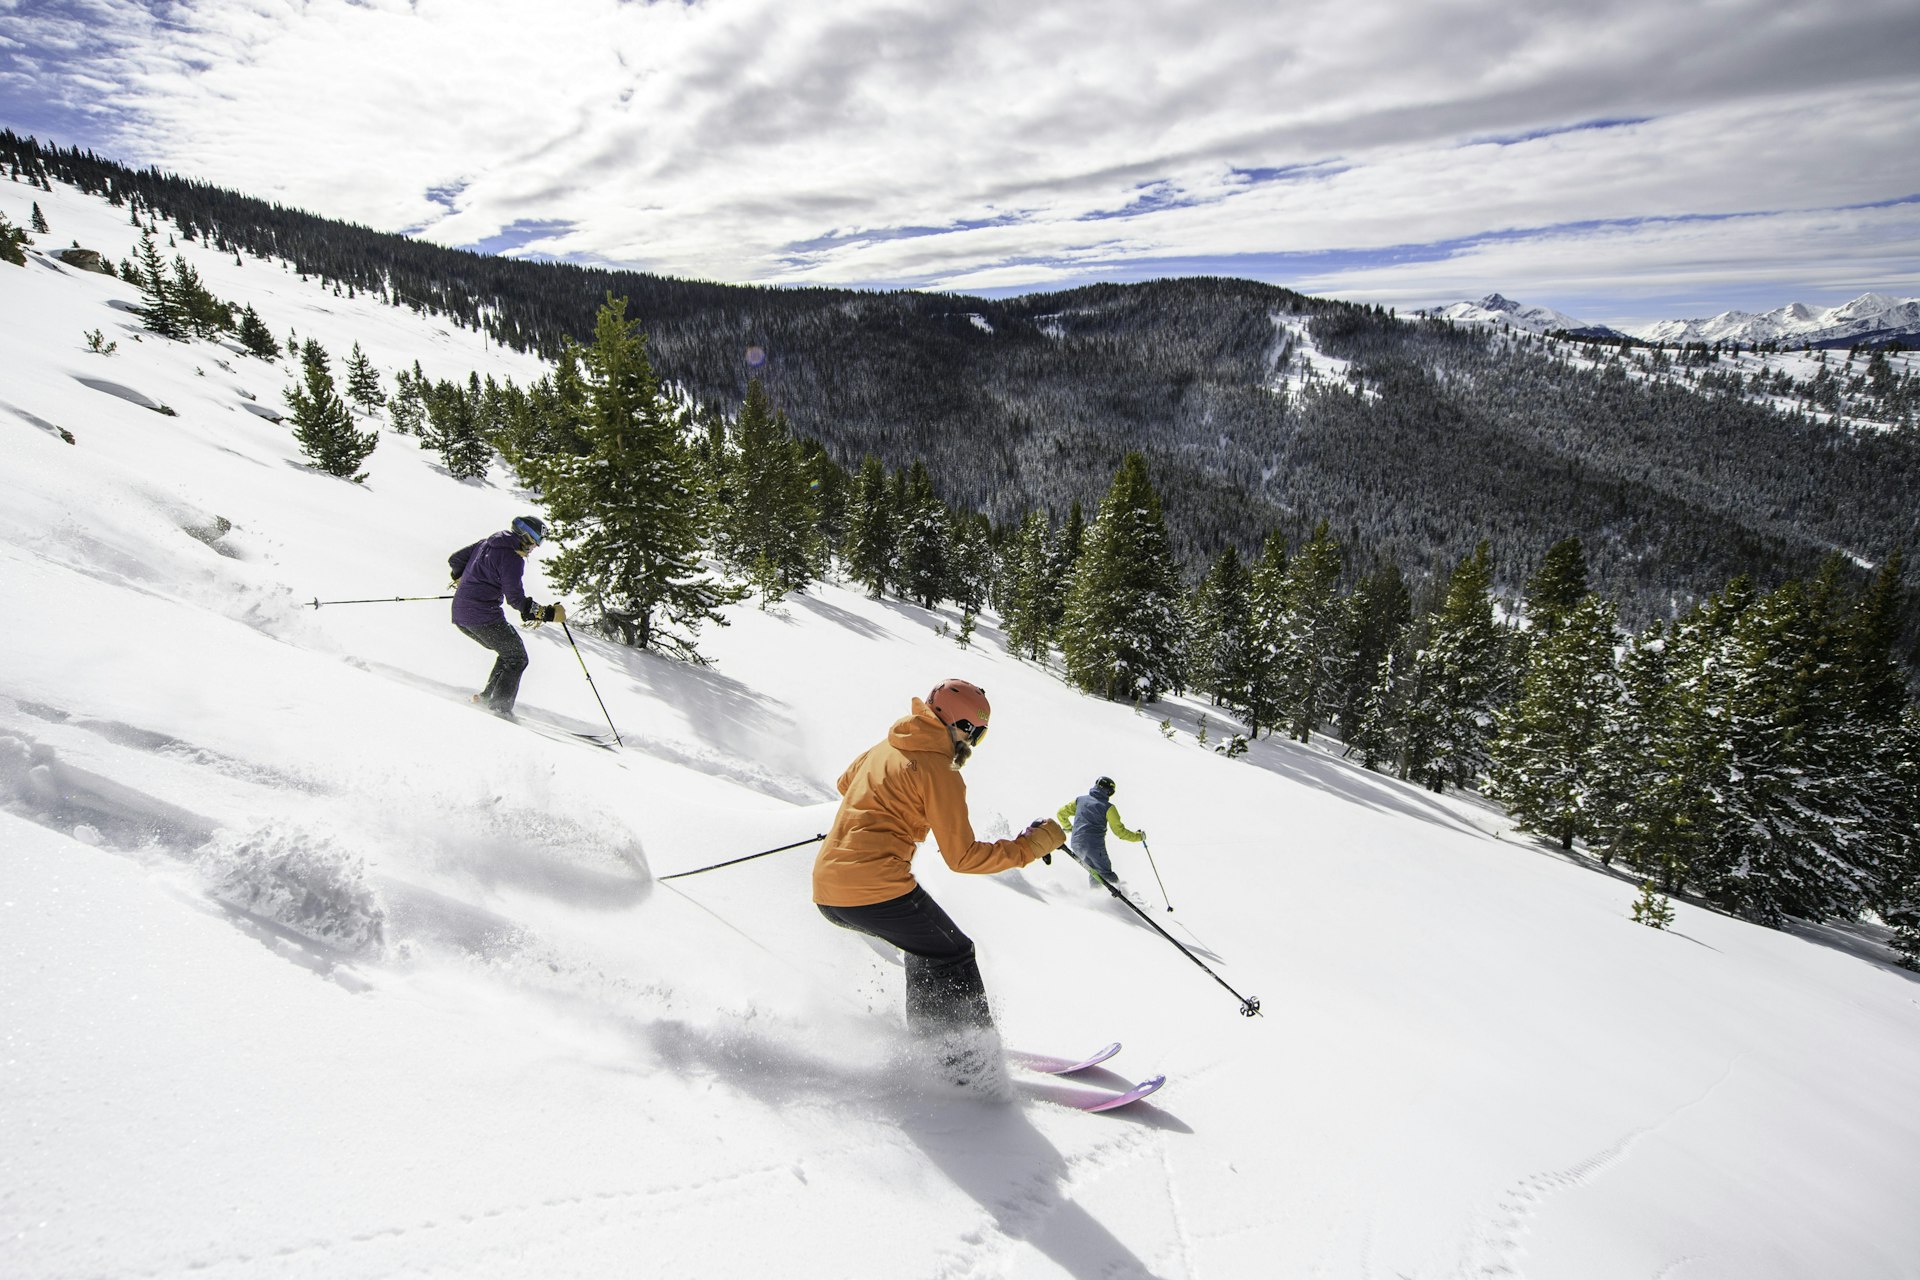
x=486, y=573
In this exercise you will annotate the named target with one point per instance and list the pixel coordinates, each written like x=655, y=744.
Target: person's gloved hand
x=556, y=613
x=1046, y=833
x=1143, y=835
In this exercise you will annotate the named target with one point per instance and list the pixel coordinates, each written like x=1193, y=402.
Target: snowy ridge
x=1871, y=316
x=1497, y=310
x=308, y=968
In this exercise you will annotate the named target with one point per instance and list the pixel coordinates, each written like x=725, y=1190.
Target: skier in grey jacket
x=1089, y=818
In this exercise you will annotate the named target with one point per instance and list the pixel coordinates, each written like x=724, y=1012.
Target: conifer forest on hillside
x=1644, y=612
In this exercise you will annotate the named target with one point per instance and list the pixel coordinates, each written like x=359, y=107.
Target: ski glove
x=1050, y=834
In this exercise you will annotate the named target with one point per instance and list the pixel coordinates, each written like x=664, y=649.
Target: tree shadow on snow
x=1300, y=763
x=722, y=711
x=1856, y=938
x=833, y=613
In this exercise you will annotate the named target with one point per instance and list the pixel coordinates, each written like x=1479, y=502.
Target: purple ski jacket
x=489, y=570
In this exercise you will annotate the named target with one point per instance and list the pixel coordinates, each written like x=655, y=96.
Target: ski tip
x=1049, y=1064
x=1132, y=1095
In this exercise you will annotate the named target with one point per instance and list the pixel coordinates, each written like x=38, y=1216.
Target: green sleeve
x=1065, y=816
x=1117, y=827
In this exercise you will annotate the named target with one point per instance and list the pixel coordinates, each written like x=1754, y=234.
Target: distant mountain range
x=1871, y=317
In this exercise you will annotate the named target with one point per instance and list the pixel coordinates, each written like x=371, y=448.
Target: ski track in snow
x=1495, y=1245
x=1182, y=1231
x=738, y=1181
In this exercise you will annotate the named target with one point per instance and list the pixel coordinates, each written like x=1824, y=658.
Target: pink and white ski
x=1047, y=1064
x=1091, y=1099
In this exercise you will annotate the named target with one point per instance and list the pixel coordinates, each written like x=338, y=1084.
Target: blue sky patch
x=1533, y=135
x=521, y=233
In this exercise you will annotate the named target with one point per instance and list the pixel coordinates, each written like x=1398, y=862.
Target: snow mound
x=303, y=880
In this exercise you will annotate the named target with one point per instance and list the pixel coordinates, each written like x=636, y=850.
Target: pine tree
x=1773, y=848
x=160, y=311
x=453, y=430
x=256, y=337
x=1896, y=893
x=1377, y=612
x=1308, y=648
x=363, y=382
x=206, y=316
x=627, y=513
x=39, y=220
x=12, y=243
x=407, y=409
x=1386, y=733
x=1122, y=632
x=925, y=553
x=1026, y=607
x=1221, y=647
x=1073, y=540
x=1652, y=908
x=1266, y=615
x=1543, y=756
x=872, y=529
x=1066, y=546
x=322, y=423
x=552, y=426
x=970, y=562
x=1558, y=588
x=770, y=532
x=830, y=496
x=1462, y=680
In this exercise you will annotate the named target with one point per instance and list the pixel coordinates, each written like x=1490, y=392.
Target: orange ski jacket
x=892, y=796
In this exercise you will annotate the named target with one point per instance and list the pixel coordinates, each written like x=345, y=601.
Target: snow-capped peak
x=1869, y=317
x=1495, y=309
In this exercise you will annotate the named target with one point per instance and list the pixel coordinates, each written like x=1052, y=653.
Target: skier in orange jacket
x=893, y=795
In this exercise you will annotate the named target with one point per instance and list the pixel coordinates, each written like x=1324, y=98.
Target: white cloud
x=729, y=139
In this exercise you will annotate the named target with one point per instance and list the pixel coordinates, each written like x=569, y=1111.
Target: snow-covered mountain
x=1868, y=318
x=1495, y=309
x=308, y=968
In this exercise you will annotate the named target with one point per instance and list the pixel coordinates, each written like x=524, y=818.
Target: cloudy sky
x=1620, y=160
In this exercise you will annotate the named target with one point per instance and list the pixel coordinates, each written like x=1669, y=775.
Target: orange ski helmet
x=961, y=704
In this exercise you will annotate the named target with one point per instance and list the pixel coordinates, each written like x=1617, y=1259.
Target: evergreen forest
x=1660, y=621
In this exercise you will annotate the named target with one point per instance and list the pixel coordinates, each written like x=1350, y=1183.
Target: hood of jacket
x=921, y=731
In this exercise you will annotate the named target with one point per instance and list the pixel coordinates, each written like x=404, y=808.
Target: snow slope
x=307, y=968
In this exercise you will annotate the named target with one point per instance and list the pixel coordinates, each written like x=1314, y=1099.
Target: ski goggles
x=973, y=732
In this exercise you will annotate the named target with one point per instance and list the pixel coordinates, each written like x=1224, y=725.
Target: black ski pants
x=503, y=685
x=944, y=989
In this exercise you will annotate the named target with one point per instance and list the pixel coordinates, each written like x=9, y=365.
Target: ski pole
x=1156, y=874
x=590, y=684
x=316, y=602
x=1249, y=1007
x=749, y=858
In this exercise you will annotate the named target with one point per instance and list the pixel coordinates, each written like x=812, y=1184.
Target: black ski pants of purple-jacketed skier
x=944, y=988
x=503, y=684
